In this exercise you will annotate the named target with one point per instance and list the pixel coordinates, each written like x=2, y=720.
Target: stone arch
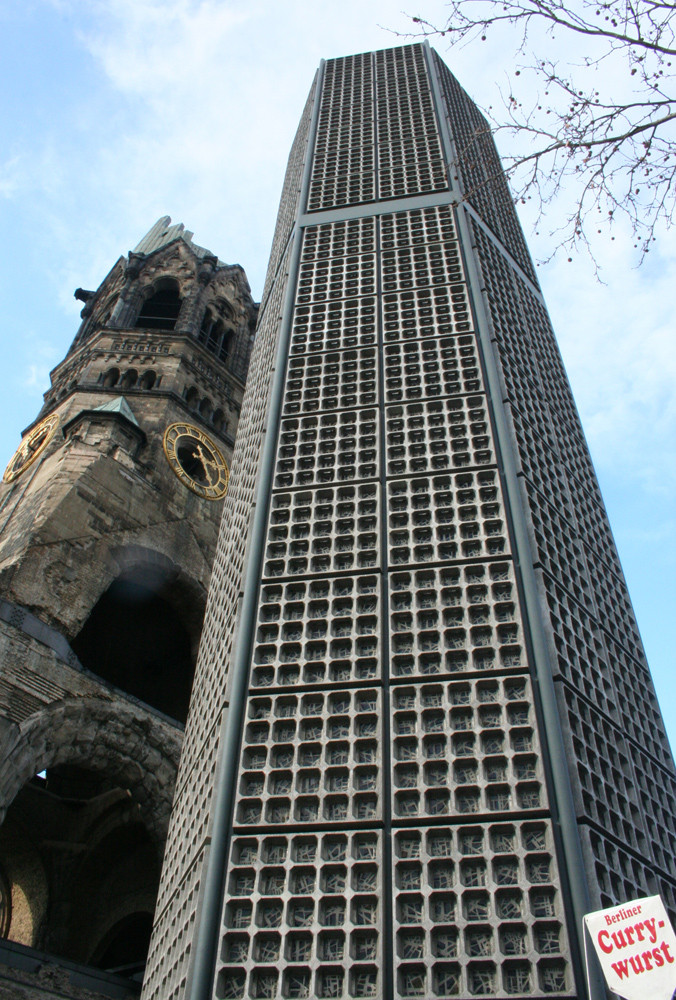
x=225, y=309
x=129, y=379
x=98, y=774
x=109, y=736
x=218, y=310
x=184, y=591
x=217, y=329
x=211, y=331
x=111, y=377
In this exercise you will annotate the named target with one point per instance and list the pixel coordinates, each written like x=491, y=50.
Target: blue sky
x=116, y=112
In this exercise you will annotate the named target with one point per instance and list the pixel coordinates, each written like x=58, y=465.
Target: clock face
x=196, y=460
x=31, y=447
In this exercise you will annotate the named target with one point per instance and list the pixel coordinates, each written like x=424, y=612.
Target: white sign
x=636, y=947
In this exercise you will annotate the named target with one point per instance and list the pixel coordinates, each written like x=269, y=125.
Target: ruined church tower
x=109, y=513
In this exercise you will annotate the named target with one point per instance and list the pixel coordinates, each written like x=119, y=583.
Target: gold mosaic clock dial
x=196, y=460
x=31, y=447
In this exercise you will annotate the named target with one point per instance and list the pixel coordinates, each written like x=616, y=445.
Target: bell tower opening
x=136, y=639
x=160, y=311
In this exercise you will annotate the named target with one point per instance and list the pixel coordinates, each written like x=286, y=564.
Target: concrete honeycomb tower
x=109, y=514
x=423, y=738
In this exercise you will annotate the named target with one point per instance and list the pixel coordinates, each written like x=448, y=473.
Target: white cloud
x=163, y=50
x=39, y=357
x=36, y=377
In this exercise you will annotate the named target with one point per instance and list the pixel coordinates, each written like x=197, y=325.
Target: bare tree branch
x=601, y=128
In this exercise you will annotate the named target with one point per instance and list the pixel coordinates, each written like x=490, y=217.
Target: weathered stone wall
x=87, y=770
x=71, y=528
x=77, y=718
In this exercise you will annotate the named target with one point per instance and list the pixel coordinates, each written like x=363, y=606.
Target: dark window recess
x=134, y=639
x=216, y=337
x=103, y=849
x=225, y=350
x=126, y=946
x=161, y=310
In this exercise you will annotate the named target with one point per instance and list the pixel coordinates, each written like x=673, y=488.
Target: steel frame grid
x=328, y=310
x=391, y=986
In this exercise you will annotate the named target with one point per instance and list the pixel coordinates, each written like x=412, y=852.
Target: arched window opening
x=206, y=326
x=191, y=396
x=215, y=332
x=205, y=408
x=215, y=337
x=111, y=378
x=147, y=380
x=129, y=379
x=227, y=345
x=135, y=639
x=92, y=900
x=160, y=311
x=125, y=948
x=224, y=309
x=217, y=419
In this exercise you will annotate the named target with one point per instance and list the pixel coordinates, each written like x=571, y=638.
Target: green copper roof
x=119, y=405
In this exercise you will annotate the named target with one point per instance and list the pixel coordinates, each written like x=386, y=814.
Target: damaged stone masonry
x=105, y=558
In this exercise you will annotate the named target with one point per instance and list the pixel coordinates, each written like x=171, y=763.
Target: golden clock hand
x=208, y=463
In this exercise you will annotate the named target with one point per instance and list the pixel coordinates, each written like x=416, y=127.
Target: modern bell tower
x=434, y=738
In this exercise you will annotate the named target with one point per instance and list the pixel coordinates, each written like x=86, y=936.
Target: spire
x=163, y=233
